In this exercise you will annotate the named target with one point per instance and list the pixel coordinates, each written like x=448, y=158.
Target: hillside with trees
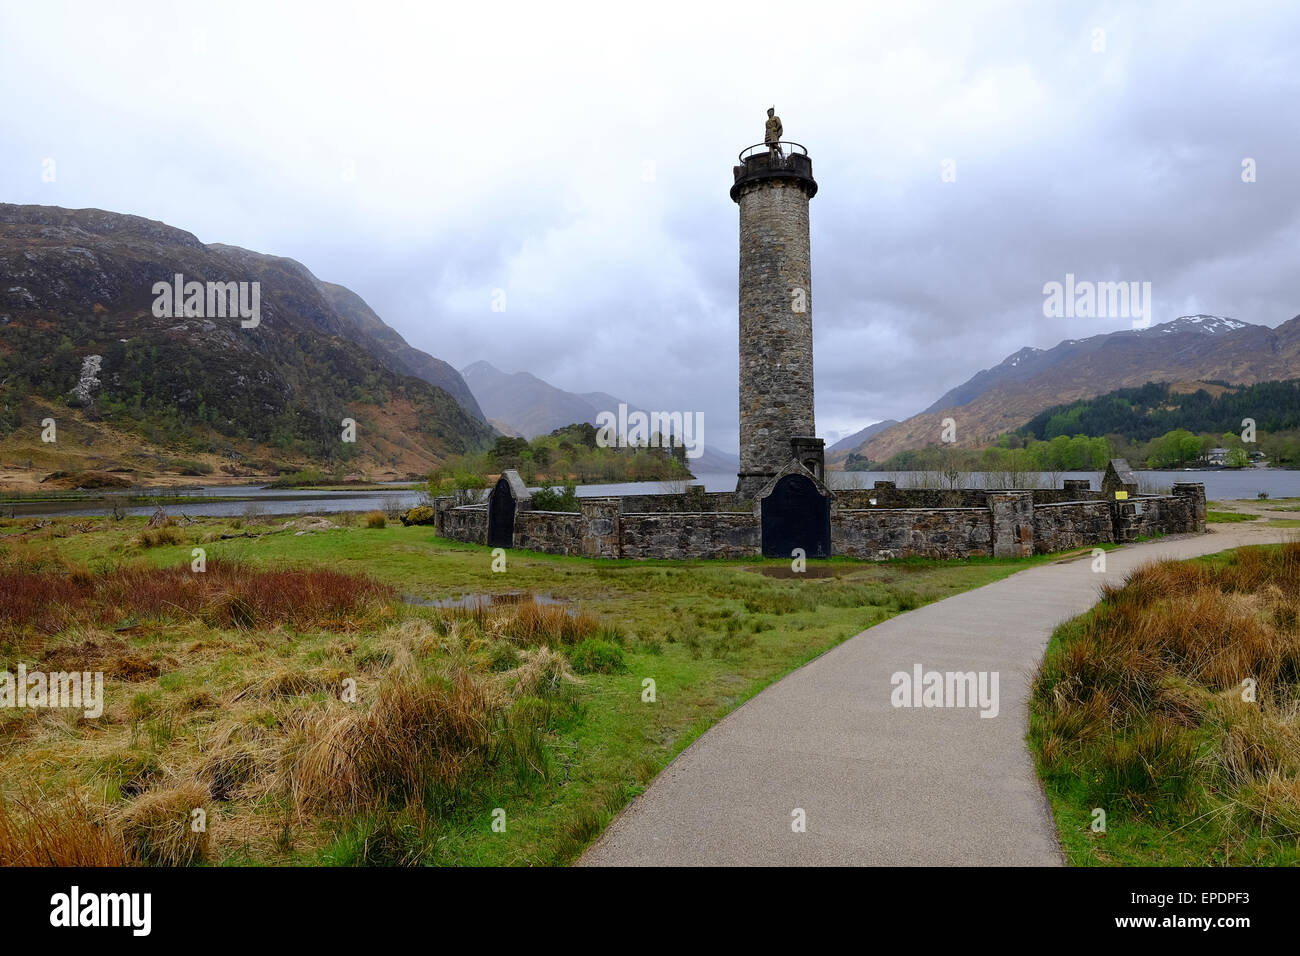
x=1140, y=414
x=83, y=342
x=566, y=455
x=1192, y=348
x=1156, y=425
x=1165, y=425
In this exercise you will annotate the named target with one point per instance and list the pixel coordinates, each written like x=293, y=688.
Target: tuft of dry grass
x=418, y=738
x=1271, y=804
x=550, y=625
x=159, y=537
x=226, y=594
x=543, y=673
x=291, y=682
x=527, y=623
x=162, y=828
x=237, y=757
x=1252, y=743
x=92, y=649
x=40, y=832
x=1181, y=622
x=1178, y=698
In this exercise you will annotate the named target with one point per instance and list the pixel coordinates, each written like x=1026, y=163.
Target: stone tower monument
x=773, y=184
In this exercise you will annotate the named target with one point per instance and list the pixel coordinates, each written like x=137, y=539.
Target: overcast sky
x=579, y=158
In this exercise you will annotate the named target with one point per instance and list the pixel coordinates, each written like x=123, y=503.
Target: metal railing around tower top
x=785, y=147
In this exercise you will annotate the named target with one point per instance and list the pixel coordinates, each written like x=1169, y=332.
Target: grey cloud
x=511, y=148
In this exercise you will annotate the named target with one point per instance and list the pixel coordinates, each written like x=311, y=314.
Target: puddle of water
x=483, y=600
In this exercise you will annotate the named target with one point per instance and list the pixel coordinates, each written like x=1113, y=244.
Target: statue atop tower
x=773, y=132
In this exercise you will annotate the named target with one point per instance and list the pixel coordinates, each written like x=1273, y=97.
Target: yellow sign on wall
x=1121, y=495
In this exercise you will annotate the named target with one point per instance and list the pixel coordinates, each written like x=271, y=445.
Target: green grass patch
x=1226, y=517
x=545, y=727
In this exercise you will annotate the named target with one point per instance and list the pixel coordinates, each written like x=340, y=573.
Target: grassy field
x=1227, y=517
x=1224, y=512
x=294, y=694
x=1142, y=709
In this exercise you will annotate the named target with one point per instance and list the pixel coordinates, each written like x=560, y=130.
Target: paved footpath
x=879, y=784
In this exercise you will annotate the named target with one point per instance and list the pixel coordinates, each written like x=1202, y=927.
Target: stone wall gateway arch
x=508, y=496
x=795, y=512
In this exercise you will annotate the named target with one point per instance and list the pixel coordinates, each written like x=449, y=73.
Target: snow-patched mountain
x=1189, y=348
x=1029, y=363
x=1204, y=324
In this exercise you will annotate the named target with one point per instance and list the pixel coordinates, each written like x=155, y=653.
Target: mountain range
x=82, y=342
x=996, y=400
x=852, y=442
x=522, y=404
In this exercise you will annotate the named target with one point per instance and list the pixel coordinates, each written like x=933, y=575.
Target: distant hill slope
x=523, y=401
x=1003, y=398
x=384, y=341
x=528, y=406
x=1140, y=414
x=79, y=283
x=361, y=325
x=851, y=442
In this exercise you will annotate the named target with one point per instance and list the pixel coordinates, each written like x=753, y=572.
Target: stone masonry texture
x=776, y=344
x=999, y=523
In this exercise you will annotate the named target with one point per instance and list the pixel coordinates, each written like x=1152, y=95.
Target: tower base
x=805, y=449
x=749, y=485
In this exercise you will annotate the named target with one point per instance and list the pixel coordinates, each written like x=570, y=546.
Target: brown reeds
x=226, y=594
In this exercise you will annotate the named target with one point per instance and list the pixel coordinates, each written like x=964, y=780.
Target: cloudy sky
x=578, y=157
